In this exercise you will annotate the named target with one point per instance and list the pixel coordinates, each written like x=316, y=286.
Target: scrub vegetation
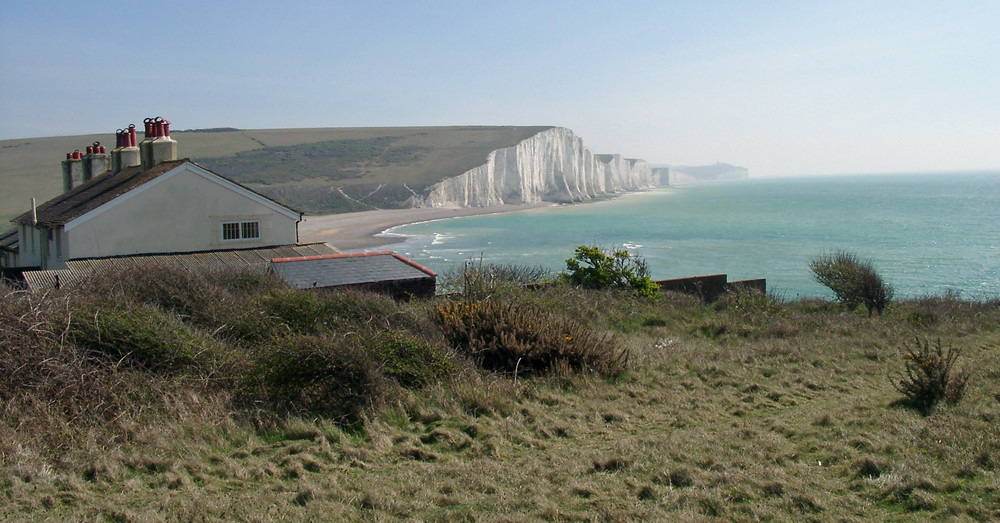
x=158, y=394
x=853, y=280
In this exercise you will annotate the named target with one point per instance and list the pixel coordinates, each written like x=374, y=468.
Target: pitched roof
x=235, y=259
x=104, y=188
x=348, y=269
x=93, y=193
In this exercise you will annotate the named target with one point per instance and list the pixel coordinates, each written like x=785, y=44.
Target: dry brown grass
x=749, y=409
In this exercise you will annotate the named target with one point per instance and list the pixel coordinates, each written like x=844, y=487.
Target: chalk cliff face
x=551, y=166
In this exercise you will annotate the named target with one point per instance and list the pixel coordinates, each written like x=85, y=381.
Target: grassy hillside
x=157, y=395
x=315, y=170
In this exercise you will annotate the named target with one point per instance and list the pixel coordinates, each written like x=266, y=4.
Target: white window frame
x=243, y=229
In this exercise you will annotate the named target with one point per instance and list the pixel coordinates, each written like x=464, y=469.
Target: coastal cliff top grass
x=288, y=164
x=158, y=394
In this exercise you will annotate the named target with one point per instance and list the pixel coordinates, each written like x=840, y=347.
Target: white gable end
x=185, y=209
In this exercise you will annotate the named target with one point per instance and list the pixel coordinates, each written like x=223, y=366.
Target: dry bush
x=54, y=392
x=477, y=281
x=929, y=376
x=513, y=338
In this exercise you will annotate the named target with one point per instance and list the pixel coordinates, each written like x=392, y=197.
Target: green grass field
x=157, y=396
x=304, y=168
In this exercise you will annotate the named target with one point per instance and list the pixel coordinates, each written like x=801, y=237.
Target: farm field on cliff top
x=928, y=233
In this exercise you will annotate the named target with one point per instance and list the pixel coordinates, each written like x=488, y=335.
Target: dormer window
x=232, y=231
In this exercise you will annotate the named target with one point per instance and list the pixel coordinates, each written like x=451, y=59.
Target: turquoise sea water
x=927, y=233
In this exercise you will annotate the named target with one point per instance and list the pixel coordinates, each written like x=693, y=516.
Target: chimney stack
x=72, y=168
x=126, y=153
x=157, y=146
x=96, y=162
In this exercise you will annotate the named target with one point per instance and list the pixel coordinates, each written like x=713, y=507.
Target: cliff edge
x=550, y=166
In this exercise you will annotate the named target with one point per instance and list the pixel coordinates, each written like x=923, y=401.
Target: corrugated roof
x=241, y=259
x=348, y=269
x=8, y=241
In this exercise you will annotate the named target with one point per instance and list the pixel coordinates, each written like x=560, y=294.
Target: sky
x=782, y=88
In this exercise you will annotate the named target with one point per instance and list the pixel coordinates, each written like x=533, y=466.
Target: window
x=250, y=229
x=240, y=231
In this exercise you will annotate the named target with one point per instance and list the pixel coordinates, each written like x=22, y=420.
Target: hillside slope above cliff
x=333, y=170
x=319, y=171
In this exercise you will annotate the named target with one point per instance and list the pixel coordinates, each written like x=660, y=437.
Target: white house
x=147, y=202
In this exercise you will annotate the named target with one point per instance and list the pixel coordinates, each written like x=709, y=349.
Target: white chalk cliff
x=551, y=166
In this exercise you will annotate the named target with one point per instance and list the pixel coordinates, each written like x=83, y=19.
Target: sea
x=928, y=234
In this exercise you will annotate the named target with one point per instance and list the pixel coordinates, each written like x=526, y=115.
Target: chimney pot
x=149, y=127
x=90, y=149
x=131, y=134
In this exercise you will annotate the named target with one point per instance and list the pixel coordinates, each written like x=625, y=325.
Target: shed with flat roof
x=380, y=271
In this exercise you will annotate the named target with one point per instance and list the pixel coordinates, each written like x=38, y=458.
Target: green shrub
x=222, y=301
x=595, y=268
x=513, y=338
x=141, y=335
x=311, y=312
x=929, y=376
x=412, y=363
x=319, y=375
x=853, y=280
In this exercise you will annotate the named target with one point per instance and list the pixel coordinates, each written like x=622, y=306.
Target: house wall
x=180, y=211
x=29, y=252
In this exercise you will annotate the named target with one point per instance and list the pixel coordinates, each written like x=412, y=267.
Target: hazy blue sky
x=798, y=87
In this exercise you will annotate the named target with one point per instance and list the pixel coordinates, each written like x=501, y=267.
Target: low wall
x=711, y=287
x=708, y=288
x=759, y=284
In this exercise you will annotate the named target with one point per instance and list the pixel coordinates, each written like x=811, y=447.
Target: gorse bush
x=929, y=376
x=509, y=337
x=596, y=268
x=853, y=280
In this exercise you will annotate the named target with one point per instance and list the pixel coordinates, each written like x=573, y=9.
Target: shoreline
x=364, y=230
